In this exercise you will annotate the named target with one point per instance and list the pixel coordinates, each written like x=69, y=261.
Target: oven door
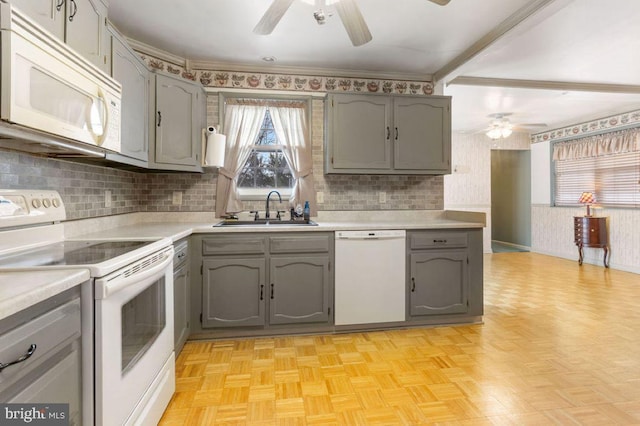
x=135, y=372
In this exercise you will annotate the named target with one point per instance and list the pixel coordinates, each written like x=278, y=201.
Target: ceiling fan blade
x=353, y=22
x=272, y=16
x=440, y=2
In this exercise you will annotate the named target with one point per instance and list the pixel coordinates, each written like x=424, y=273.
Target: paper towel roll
x=214, y=156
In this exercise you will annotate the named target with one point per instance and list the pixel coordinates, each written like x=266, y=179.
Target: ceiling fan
x=348, y=10
x=501, y=126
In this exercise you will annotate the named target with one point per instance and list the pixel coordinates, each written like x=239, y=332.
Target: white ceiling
x=572, y=60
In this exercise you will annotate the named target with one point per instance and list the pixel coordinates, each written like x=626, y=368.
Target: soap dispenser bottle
x=306, y=211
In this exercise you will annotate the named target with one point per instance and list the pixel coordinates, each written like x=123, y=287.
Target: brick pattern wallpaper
x=82, y=186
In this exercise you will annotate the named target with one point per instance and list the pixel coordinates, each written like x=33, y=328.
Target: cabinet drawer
x=300, y=244
x=181, y=251
x=48, y=332
x=438, y=240
x=234, y=245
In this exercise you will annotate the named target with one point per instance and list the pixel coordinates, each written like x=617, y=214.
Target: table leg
x=606, y=260
x=581, y=254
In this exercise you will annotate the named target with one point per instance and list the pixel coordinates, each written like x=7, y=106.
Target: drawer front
x=48, y=332
x=429, y=240
x=300, y=244
x=181, y=251
x=234, y=245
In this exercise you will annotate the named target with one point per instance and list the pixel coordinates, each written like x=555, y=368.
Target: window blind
x=613, y=178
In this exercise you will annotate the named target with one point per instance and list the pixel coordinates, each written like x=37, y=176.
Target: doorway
x=510, y=200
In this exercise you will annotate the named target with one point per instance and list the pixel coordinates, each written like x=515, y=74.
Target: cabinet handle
x=59, y=5
x=74, y=8
x=272, y=290
x=413, y=284
x=159, y=118
x=440, y=241
x=261, y=291
x=24, y=357
x=388, y=132
x=396, y=133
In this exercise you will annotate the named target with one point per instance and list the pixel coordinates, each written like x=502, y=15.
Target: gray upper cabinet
x=178, y=122
x=422, y=134
x=132, y=73
x=380, y=134
x=79, y=23
x=50, y=14
x=359, y=132
x=86, y=30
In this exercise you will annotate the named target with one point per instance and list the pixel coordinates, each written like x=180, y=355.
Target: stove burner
x=71, y=253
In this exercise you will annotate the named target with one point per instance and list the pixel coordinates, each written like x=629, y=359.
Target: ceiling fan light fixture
x=494, y=133
x=500, y=128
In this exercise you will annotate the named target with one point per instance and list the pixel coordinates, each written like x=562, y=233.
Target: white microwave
x=50, y=88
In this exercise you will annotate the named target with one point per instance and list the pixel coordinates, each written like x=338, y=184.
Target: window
x=607, y=165
x=266, y=169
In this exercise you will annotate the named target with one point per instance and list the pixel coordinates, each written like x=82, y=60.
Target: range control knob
x=46, y=203
x=55, y=202
x=36, y=203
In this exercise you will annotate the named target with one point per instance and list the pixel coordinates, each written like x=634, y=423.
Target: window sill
x=250, y=194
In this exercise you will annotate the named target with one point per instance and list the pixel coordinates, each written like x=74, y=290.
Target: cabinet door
x=129, y=70
x=50, y=14
x=86, y=30
x=57, y=383
x=439, y=282
x=181, y=308
x=422, y=134
x=299, y=289
x=178, y=122
x=359, y=132
x=233, y=292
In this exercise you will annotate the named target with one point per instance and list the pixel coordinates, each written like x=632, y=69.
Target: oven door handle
x=105, y=288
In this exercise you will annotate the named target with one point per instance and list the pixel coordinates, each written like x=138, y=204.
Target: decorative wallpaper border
x=268, y=81
x=602, y=124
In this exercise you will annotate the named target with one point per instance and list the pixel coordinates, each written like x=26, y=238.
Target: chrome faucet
x=266, y=214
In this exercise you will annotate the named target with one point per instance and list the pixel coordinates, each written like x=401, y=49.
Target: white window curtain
x=607, y=165
x=290, y=125
x=241, y=126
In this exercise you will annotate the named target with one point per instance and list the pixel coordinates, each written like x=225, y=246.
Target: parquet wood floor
x=560, y=344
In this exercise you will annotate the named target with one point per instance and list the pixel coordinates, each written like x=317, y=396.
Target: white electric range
x=128, y=366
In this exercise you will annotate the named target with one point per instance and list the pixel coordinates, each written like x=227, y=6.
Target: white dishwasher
x=370, y=277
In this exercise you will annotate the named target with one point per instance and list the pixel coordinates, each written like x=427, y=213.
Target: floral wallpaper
x=307, y=83
x=609, y=124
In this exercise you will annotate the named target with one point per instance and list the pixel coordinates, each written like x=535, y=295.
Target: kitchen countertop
x=327, y=222
x=21, y=289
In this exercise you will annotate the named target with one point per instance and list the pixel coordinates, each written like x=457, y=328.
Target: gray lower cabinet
x=267, y=280
x=382, y=134
x=233, y=292
x=439, y=282
x=181, y=295
x=180, y=109
x=299, y=289
x=444, y=273
x=51, y=331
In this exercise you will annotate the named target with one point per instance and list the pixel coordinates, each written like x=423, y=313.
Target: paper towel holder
x=214, y=147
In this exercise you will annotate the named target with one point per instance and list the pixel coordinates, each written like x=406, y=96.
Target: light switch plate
x=177, y=198
x=382, y=197
x=107, y=198
x=319, y=197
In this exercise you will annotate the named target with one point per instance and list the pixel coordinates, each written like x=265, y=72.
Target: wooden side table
x=591, y=231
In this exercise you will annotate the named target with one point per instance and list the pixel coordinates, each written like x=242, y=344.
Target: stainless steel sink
x=264, y=222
